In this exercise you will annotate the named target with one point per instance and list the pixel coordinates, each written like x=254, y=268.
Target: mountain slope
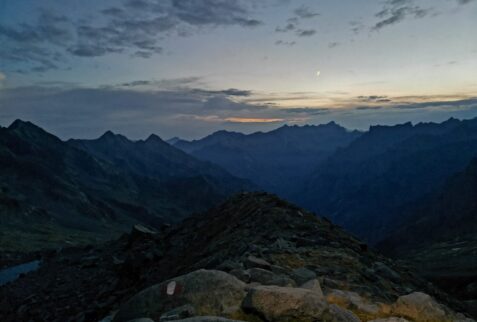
x=256, y=238
x=278, y=160
x=156, y=159
x=367, y=184
x=439, y=236
x=53, y=193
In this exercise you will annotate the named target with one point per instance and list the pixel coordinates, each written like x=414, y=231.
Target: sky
x=190, y=67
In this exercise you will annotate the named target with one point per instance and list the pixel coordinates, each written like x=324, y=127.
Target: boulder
x=139, y=232
x=338, y=314
x=420, y=307
x=243, y=275
x=314, y=286
x=207, y=319
x=386, y=272
x=275, y=303
x=302, y=275
x=353, y=301
x=209, y=292
x=181, y=312
x=253, y=261
x=265, y=277
x=391, y=319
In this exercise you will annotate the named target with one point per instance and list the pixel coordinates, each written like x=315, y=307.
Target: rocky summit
x=254, y=258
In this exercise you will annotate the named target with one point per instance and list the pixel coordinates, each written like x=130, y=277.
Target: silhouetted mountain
x=253, y=258
x=155, y=158
x=449, y=214
x=439, y=235
x=52, y=192
x=367, y=184
x=276, y=160
x=173, y=140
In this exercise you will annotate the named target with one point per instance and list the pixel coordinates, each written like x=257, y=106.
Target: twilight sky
x=190, y=67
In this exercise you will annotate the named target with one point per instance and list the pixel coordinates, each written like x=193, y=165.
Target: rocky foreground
x=254, y=258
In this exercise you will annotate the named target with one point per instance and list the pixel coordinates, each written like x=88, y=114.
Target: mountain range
x=365, y=181
x=54, y=192
x=368, y=185
x=278, y=160
x=408, y=190
x=440, y=235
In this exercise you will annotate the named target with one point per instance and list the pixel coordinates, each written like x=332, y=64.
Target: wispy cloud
x=285, y=43
x=306, y=32
x=395, y=11
x=135, y=27
x=305, y=12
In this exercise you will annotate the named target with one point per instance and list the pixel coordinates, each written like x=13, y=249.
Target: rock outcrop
x=255, y=258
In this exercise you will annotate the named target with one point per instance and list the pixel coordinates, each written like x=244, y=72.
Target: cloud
x=181, y=84
x=72, y=111
x=464, y=1
x=2, y=77
x=357, y=26
x=305, y=12
x=305, y=33
x=285, y=43
x=253, y=120
x=287, y=28
x=462, y=103
x=395, y=11
x=307, y=110
x=374, y=99
x=173, y=83
x=137, y=28
x=333, y=44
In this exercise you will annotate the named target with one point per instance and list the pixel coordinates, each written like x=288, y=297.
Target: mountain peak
x=20, y=124
x=173, y=140
x=29, y=130
x=153, y=138
x=110, y=136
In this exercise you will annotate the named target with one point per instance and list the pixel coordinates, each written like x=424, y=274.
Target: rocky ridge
x=254, y=258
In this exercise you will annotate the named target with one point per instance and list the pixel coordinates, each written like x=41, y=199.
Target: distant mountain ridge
x=366, y=184
x=450, y=214
x=276, y=160
x=439, y=235
x=78, y=191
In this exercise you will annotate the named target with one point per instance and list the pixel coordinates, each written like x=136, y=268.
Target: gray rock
x=228, y=266
x=253, y=261
x=211, y=292
x=420, y=307
x=139, y=231
x=302, y=275
x=243, y=275
x=338, y=314
x=314, y=286
x=278, y=304
x=265, y=277
x=207, y=319
x=386, y=272
x=280, y=270
x=353, y=300
x=391, y=319
x=181, y=312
